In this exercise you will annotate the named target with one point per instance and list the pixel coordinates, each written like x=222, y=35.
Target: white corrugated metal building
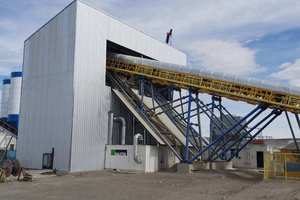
x=64, y=101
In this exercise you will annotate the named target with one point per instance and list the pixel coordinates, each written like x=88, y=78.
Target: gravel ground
x=207, y=185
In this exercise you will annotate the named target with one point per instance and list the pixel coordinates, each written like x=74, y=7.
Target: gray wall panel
x=91, y=96
x=47, y=93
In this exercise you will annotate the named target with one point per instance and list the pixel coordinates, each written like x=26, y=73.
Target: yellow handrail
x=228, y=89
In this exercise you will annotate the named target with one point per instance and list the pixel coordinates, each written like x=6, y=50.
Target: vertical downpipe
x=110, y=127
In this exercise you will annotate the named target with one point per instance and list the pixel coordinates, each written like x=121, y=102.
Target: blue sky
x=259, y=39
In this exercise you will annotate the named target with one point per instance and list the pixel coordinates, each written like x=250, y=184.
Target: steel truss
x=228, y=135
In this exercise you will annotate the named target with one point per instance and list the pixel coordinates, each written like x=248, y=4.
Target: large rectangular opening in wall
x=112, y=47
x=133, y=126
x=115, y=48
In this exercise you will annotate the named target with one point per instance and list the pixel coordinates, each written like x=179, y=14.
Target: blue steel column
x=187, y=135
x=277, y=113
x=226, y=132
x=297, y=119
x=181, y=103
x=248, y=132
x=239, y=129
x=142, y=91
x=199, y=122
x=292, y=130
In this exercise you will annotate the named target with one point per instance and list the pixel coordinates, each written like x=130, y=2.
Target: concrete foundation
x=185, y=168
x=217, y=165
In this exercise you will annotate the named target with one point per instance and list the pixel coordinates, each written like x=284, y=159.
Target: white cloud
x=289, y=72
x=7, y=25
x=9, y=60
x=22, y=19
x=225, y=56
x=192, y=21
x=207, y=18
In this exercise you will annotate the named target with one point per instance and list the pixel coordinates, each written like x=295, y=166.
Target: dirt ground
x=108, y=185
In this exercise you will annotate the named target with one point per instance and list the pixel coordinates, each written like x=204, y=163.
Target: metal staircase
x=9, y=132
x=178, y=118
x=153, y=122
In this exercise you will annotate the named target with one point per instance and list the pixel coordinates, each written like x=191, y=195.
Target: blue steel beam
x=187, y=135
x=212, y=116
x=292, y=130
x=231, y=120
x=245, y=134
x=142, y=92
x=199, y=122
x=168, y=107
x=168, y=103
x=194, y=109
x=238, y=131
x=125, y=89
x=208, y=113
x=180, y=95
x=198, y=113
x=227, y=132
x=230, y=117
x=297, y=119
x=257, y=133
x=152, y=94
x=194, y=133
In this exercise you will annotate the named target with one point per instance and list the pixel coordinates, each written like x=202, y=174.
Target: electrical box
x=122, y=157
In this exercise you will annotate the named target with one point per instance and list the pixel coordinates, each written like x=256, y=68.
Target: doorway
x=260, y=159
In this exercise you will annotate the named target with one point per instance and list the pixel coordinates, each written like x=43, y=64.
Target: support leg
x=199, y=123
x=258, y=132
x=292, y=130
x=142, y=92
x=217, y=140
x=249, y=132
x=187, y=135
x=240, y=128
x=297, y=119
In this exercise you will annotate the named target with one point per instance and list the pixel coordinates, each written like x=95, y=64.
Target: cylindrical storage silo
x=14, y=98
x=4, y=100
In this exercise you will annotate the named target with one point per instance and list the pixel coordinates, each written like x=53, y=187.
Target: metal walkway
x=235, y=91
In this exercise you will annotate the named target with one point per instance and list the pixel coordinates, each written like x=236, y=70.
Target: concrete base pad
x=185, y=168
x=216, y=165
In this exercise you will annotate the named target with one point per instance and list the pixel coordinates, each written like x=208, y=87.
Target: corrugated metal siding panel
x=47, y=93
x=91, y=96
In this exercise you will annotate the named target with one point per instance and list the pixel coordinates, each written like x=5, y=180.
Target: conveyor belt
x=236, y=91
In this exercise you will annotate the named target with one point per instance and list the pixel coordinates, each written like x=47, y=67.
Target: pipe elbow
x=123, y=122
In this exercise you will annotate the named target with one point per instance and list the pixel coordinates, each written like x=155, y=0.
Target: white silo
x=14, y=98
x=4, y=100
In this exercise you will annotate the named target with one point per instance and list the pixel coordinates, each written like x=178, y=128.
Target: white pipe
x=136, y=156
x=123, y=121
x=110, y=127
x=207, y=73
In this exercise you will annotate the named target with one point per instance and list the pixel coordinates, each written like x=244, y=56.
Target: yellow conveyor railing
x=203, y=84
